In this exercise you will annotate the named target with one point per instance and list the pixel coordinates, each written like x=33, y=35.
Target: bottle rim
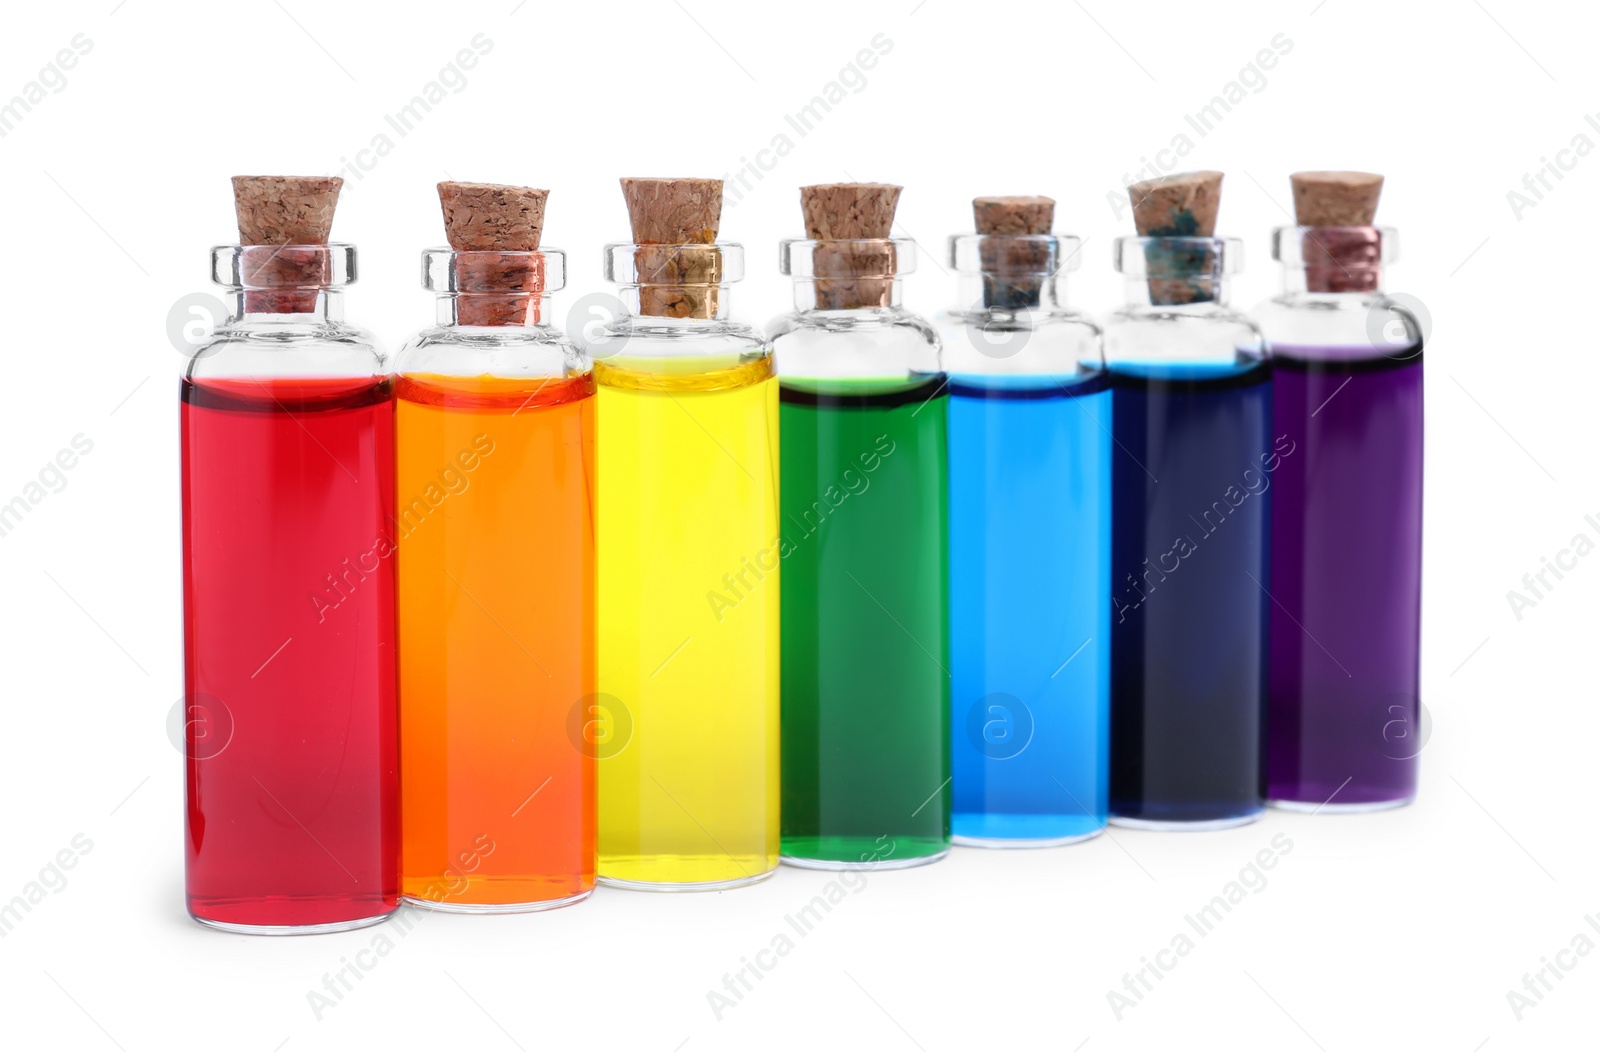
x=625, y=263
x=538, y=272
x=328, y=266
x=1039, y=255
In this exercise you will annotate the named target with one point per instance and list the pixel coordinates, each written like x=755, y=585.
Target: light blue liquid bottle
x=1030, y=540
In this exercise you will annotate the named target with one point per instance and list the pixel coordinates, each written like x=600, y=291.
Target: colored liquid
x=866, y=692
x=289, y=655
x=687, y=721
x=496, y=612
x=1030, y=636
x=1190, y=481
x=1343, y=705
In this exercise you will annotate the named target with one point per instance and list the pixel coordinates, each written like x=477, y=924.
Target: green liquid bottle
x=863, y=511
x=865, y=735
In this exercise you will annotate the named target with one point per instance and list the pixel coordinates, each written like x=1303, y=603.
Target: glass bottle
x=688, y=601
x=1343, y=697
x=494, y=437
x=1192, y=420
x=288, y=581
x=866, y=689
x=1030, y=547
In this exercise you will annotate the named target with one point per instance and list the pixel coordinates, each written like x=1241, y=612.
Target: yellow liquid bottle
x=687, y=714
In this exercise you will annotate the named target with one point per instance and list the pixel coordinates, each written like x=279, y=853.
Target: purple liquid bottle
x=1343, y=711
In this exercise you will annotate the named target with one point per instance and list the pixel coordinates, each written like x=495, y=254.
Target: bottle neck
x=490, y=309
x=306, y=306
x=676, y=303
x=1336, y=259
x=867, y=292
x=1199, y=291
x=1333, y=259
x=1331, y=280
x=1009, y=292
x=1173, y=273
x=283, y=283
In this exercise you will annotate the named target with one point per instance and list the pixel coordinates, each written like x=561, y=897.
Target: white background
x=1401, y=930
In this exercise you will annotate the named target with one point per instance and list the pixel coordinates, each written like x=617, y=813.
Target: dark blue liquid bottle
x=1190, y=504
x=1191, y=484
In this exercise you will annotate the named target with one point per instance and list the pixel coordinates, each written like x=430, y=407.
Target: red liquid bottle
x=289, y=647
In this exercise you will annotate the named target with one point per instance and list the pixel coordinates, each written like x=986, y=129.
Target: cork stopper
x=849, y=276
x=294, y=211
x=285, y=209
x=488, y=217
x=498, y=280
x=1013, y=270
x=1342, y=250
x=670, y=219
x=1181, y=205
x=1013, y=215
x=1335, y=198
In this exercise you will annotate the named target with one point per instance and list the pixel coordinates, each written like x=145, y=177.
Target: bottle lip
x=630, y=264
x=284, y=266
x=1178, y=257
x=533, y=273
x=1015, y=254
x=1299, y=246
x=847, y=258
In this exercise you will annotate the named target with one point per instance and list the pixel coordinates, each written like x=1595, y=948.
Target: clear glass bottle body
x=1030, y=548
x=865, y=550
x=688, y=581
x=495, y=455
x=1343, y=715
x=288, y=463
x=1191, y=411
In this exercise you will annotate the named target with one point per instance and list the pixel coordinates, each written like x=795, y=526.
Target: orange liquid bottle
x=495, y=530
